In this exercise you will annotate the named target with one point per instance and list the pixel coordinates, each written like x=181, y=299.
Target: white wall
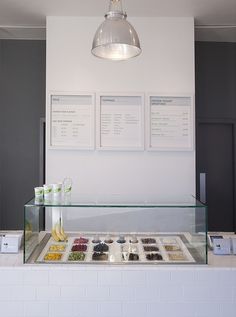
x=166, y=65
x=102, y=291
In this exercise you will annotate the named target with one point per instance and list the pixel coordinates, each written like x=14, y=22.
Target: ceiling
x=27, y=18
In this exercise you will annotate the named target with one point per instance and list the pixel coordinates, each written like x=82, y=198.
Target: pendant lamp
x=116, y=39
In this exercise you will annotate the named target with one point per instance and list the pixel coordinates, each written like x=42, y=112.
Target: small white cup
x=67, y=186
x=39, y=200
x=57, y=190
x=38, y=191
x=47, y=189
x=48, y=201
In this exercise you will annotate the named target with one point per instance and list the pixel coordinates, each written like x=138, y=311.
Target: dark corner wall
x=215, y=79
x=216, y=130
x=22, y=104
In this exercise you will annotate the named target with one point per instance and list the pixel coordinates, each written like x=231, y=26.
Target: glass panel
x=108, y=234
x=65, y=202
x=34, y=229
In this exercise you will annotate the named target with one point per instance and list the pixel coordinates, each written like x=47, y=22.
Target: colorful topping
x=148, y=241
x=53, y=257
x=108, y=241
x=150, y=248
x=121, y=239
x=154, y=257
x=133, y=257
x=79, y=247
x=172, y=247
x=57, y=247
x=81, y=240
x=101, y=247
x=100, y=256
x=76, y=256
x=176, y=256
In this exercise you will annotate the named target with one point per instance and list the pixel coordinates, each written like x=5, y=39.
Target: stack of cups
x=38, y=191
x=47, y=189
x=67, y=187
x=56, y=191
x=53, y=192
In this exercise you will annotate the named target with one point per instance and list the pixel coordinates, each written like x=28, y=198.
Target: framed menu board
x=72, y=121
x=120, y=121
x=170, y=123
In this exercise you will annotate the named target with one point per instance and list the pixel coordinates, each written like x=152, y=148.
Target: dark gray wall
x=22, y=104
x=216, y=130
x=215, y=80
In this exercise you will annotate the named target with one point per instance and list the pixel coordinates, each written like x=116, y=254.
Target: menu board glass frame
x=72, y=121
x=120, y=121
x=170, y=124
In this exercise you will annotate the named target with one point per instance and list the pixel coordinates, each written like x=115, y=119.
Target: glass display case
x=145, y=234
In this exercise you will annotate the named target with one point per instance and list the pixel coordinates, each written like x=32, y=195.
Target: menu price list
x=71, y=121
x=170, y=120
x=121, y=122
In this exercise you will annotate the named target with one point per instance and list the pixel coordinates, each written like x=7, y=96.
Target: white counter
x=118, y=291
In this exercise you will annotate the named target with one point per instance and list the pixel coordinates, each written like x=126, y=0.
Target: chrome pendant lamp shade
x=116, y=39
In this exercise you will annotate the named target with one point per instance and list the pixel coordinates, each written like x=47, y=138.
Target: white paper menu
x=72, y=121
x=170, y=123
x=121, y=122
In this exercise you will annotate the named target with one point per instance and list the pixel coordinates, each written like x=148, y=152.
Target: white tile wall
x=22, y=293
x=48, y=292
x=207, y=292
x=110, y=308
x=11, y=277
x=73, y=292
x=29, y=291
x=61, y=308
x=110, y=278
x=171, y=292
x=8, y=309
x=35, y=309
x=84, y=277
x=61, y=277
x=131, y=308
x=142, y=293
x=86, y=308
x=30, y=278
x=172, y=309
x=134, y=278
x=158, y=277
x=228, y=309
x=101, y=293
x=122, y=293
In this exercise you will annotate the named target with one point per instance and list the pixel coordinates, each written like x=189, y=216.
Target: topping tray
x=116, y=248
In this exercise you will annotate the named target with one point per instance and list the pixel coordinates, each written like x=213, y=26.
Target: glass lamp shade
x=116, y=39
